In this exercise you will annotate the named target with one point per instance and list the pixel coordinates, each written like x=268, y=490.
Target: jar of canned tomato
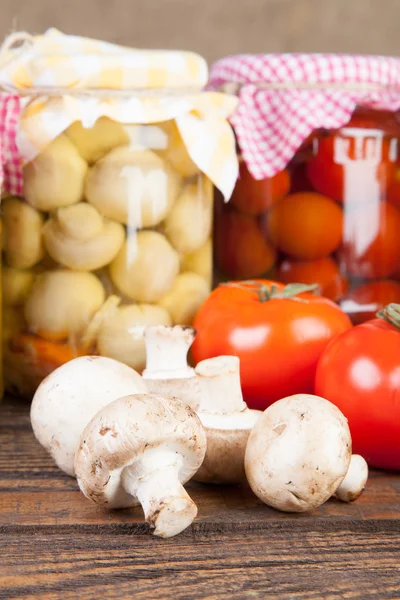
x=110, y=228
x=318, y=195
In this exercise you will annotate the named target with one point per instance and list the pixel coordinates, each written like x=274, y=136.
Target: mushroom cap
x=145, y=267
x=69, y=397
x=78, y=237
x=355, y=481
x=123, y=432
x=16, y=285
x=93, y=142
x=62, y=303
x=22, y=233
x=134, y=187
x=187, y=294
x=121, y=333
x=227, y=437
x=298, y=453
x=188, y=225
x=175, y=151
x=56, y=176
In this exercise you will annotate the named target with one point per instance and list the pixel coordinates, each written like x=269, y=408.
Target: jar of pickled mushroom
x=318, y=195
x=109, y=227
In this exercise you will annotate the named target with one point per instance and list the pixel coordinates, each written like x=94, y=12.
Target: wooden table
x=56, y=544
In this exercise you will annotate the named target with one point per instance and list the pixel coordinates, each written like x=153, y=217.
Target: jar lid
x=60, y=79
x=283, y=98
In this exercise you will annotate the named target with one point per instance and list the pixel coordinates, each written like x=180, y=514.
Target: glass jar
x=332, y=217
x=112, y=233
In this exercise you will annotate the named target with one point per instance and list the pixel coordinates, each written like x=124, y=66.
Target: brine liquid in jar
x=113, y=233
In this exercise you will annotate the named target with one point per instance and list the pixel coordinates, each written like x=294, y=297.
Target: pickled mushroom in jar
x=187, y=294
x=121, y=333
x=134, y=187
x=188, y=225
x=16, y=285
x=93, y=142
x=175, y=151
x=22, y=238
x=145, y=267
x=62, y=302
x=200, y=261
x=56, y=176
x=80, y=238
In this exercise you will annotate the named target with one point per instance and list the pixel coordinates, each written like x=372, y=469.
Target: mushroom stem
x=355, y=480
x=166, y=352
x=220, y=390
x=153, y=479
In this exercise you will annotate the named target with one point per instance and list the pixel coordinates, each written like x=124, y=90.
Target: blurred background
x=215, y=28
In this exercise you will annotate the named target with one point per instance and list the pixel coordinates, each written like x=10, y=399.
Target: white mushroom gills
x=355, y=480
x=226, y=418
x=167, y=370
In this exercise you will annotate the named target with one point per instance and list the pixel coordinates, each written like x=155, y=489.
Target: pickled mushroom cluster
x=112, y=234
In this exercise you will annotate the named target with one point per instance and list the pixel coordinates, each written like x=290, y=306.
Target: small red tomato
x=360, y=373
x=363, y=302
x=324, y=271
x=255, y=197
x=329, y=169
x=277, y=331
x=240, y=248
x=371, y=241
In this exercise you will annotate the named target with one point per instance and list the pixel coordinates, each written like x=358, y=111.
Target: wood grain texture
x=56, y=544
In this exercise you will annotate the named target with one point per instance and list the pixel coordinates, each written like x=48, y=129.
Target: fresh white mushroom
x=141, y=449
x=187, y=294
x=355, y=480
x=134, y=187
x=79, y=237
x=22, y=233
x=298, y=453
x=16, y=285
x=56, y=176
x=175, y=151
x=62, y=303
x=226, y=419
x=145, y=267
x=167, y=371
x=188, y=225
x=199, y=262
x=121, y=332
x=69, y=397
x=94, y=142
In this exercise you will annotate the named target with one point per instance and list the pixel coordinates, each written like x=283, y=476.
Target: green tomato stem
x=390, y=314
x=265, y=293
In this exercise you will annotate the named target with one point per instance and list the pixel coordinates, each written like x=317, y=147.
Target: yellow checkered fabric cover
x=63, y=78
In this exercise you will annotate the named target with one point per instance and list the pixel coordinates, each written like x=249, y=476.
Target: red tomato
x=360, y=373
x=363, y=302
x=278, y=339
x=324, y=271
x=327, y=173
x=240, y=248
x=371, y=241
x=255, y=197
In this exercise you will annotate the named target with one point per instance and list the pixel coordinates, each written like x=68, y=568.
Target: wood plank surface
x=56, y=544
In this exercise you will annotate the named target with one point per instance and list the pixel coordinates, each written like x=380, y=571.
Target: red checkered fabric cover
x=10, y=163
x=284, y=97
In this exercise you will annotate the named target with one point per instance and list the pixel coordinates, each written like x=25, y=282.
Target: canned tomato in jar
x=111, y=229
x=318, y=194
